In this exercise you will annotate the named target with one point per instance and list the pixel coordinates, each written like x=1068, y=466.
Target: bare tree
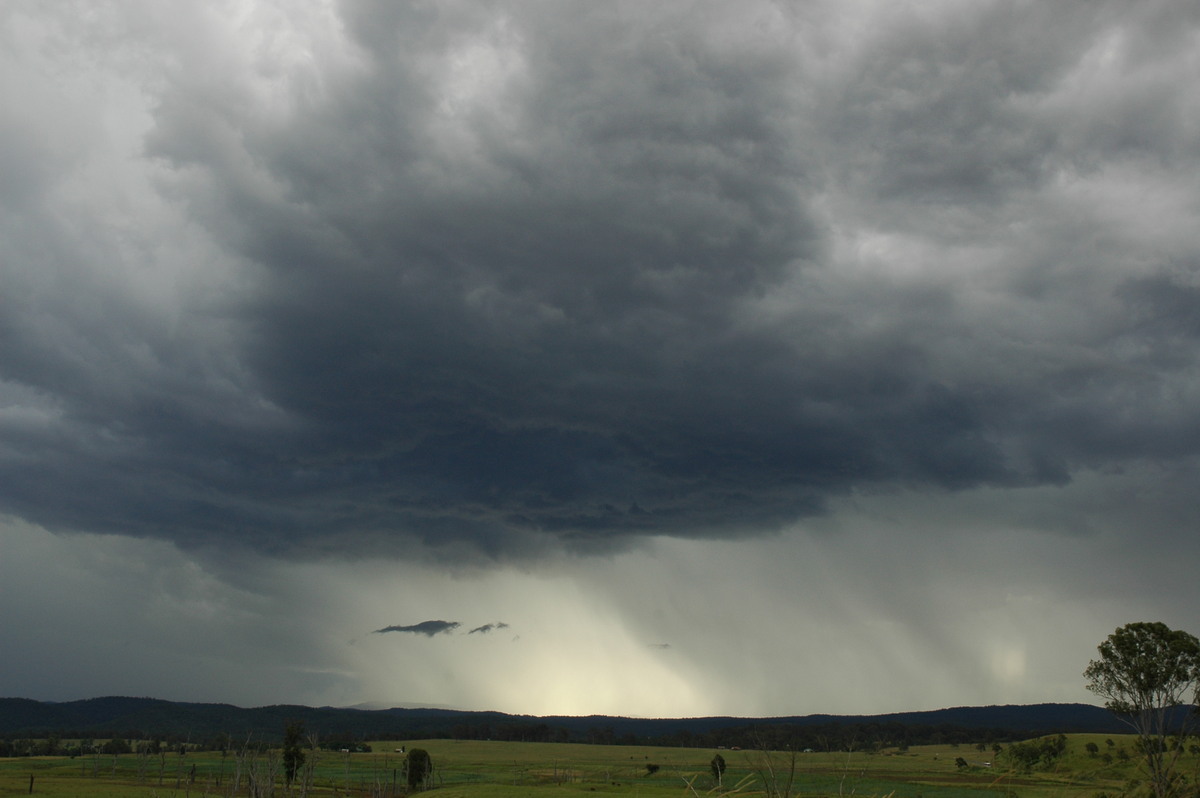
x=777, y=772
x=307, y=774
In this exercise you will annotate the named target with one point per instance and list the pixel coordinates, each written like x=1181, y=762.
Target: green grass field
x=477, y=769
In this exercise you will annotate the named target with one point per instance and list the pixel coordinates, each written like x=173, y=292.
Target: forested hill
x=148, y=718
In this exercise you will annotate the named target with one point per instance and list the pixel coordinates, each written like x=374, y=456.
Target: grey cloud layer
x=489, y=280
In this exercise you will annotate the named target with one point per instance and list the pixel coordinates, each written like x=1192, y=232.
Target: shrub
x=418, y=767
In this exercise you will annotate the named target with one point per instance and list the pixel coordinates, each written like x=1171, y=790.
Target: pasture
x=481, y=769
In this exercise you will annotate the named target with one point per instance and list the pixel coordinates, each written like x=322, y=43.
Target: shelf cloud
x=526, y=291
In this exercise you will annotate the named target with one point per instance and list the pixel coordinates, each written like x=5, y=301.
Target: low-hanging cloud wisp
x=427, y=628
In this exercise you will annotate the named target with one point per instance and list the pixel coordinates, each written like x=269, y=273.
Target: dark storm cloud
x=489, y=627
x=572, y=273
x=427, y=628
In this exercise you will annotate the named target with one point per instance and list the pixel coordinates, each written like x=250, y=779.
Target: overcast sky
x=660, y=359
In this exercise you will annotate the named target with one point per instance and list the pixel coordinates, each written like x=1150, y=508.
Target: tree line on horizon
x=173, y=722
x=832, y=736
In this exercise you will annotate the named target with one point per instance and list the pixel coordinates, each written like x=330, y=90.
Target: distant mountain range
x=149, y=718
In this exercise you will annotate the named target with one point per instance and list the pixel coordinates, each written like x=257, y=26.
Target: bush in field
x=418, y=767
x=718, y=768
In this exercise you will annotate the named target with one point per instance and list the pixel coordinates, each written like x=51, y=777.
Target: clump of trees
x=1149, y=675
x=1041, y=753
x=344, y=742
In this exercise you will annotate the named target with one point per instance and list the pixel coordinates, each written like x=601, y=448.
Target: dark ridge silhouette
x=150, y=718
